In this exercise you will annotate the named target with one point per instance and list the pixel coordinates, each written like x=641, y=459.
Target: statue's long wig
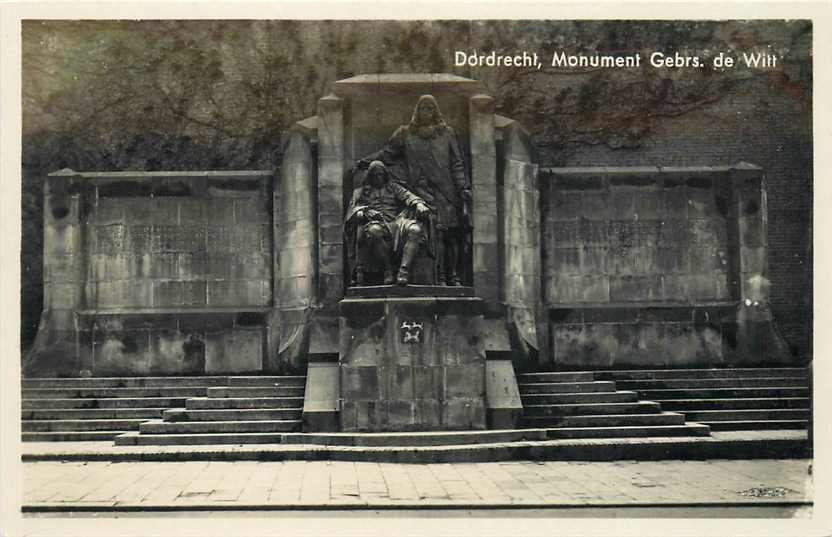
x=438, y=120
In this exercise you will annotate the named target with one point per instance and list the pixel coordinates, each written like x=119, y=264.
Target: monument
x=426, y=317
x=408, y=257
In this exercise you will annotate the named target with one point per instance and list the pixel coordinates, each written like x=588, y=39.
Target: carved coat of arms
x=411, y=332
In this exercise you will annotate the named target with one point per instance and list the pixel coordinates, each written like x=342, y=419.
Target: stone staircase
x=574, y=405
x=245, y=410
x=83, y=409
x=268, y=409
x=725, y=399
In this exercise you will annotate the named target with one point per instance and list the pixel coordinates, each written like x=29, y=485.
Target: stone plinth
x=412, y=364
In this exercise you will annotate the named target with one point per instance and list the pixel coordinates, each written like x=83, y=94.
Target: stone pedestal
x=411, y=364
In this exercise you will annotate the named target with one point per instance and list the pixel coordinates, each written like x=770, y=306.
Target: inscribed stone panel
x=109, y=239
x=219, y=237
x=178, y=238
x=163, y=265
x=139, y=239
x=109, y=211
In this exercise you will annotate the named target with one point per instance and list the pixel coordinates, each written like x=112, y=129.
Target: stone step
x=183, y=415
x=137, y=439
x=202, y=427
x=686, y=405
x=415, y=439
x=124, y=382
x=564, y=398
x=36, y=426
x=801, y=382
x=266, y=382
x=121, y=393
x=649, y=374
x=566, y=387
x=216, y=403
x=133, y=402
x=629, y=432
x=407, y=439
x=756, y=425
x=609, y=420
x=274, y=391
x=92, y=413
x=72, y=436
x=594, y=409
x=782, y=444
x=570, y=376
x=701, y=416
x=723, y=393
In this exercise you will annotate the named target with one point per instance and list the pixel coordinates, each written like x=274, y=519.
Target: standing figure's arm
x=390, y=153
x=409, y=199
x=405, y=196
x=457, y=166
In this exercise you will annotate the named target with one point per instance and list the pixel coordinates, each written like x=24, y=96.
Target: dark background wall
x=196, y=95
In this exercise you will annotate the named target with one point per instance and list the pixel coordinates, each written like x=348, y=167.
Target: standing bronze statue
x=384, y=219
x=435, y=172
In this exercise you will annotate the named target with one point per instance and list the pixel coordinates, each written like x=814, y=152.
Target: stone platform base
x=409, y=364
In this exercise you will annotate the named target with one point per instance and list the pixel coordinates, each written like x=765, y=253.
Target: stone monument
x=411, y=259
x=408, y=256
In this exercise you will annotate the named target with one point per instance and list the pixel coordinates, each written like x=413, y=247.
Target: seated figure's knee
x=374, y=232
x=416, y=232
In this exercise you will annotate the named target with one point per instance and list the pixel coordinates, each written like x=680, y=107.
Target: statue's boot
x=452, y=249
x=403, y=276
x=358, y=276
x=441, y=259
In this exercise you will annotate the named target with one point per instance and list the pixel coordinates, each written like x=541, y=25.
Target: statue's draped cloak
x=434, y=168
x=387, y=200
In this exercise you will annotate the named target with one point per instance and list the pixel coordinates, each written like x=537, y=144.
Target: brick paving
x=240, y=484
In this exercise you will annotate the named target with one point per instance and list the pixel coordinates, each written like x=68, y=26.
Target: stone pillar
x=271, y=362
x=486, y=262
x=752, y=224
x=504, y=407
x=330, y=199
x=521, y=241
x=321, y=397
x=323, y=326
x=55, y=351
x=296, y=245
x=756, y=340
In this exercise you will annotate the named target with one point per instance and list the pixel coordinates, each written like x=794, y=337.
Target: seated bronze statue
x=433, y=169
x=387, y=223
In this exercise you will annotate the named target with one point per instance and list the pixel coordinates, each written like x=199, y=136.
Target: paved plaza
x=207, y=485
